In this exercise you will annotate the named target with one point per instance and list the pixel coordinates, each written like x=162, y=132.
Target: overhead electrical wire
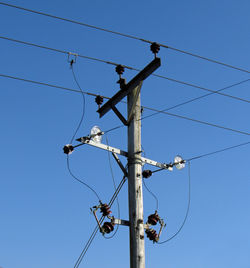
x=137, y=70
x=218, y=151
x=79, y=180
x=187, y=211
x=126, y=36
x=73, y=137
x=198, y=121
x=145, y=107
x=195, y=99
x=147, y=188
x=92, y=236
x=84, y=103
x=152, y=194
x=163, y=111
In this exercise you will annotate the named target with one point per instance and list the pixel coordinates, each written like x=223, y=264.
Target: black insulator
x=107, y=227
x=153, y=218
x=68, y=149
x=105, y=209
x=119, y=69
x=99, y=100
x=146, y=173
x=152, y=235
x=155, y=48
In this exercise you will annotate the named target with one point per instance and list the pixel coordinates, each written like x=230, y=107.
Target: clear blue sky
x=45, y=213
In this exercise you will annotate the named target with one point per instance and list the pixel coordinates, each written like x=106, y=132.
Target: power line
x=82, y=182
x=50, y=85
x=134, y=69
x=195, y=99
x=218, y=151
x=146, y=187
x=145, y=107
x=198, y=121
x=84, y=251
x=127, y=36
x=84, y=104
x=187, y=211
x=60, y=51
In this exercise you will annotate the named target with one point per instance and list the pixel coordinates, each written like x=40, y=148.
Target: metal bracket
x=120, y=164
x=121, y=117
x=119, y=221
x=121, y=152
x=72, y=57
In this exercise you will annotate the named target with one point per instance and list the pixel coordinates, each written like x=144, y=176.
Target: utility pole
x=137, y=249
x=131, y=90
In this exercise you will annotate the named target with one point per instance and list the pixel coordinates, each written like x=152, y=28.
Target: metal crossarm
x=121, y=152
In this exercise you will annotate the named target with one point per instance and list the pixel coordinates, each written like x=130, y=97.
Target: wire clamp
x=72, y=58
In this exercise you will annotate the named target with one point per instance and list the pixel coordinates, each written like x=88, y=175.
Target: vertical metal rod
x=137, y=248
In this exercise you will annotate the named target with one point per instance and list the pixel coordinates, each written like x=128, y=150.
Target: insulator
x=152, y=235
x=155, y=48
x=68, y=149
x=107, y=227
x=146, y=173
x=105, y=209
x=119, y=69
x=99, y=100
x=153, y=218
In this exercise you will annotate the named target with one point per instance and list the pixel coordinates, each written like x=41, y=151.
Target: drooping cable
x=153, y=195
x=138, y=70
x=145, y=185
x=79, y=180
x=84, y=104
x=127, y=36
x=73, y=137
x=187, y=211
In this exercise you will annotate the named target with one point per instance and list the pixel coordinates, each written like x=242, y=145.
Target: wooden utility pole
x=137, y=250
x=132, y=90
